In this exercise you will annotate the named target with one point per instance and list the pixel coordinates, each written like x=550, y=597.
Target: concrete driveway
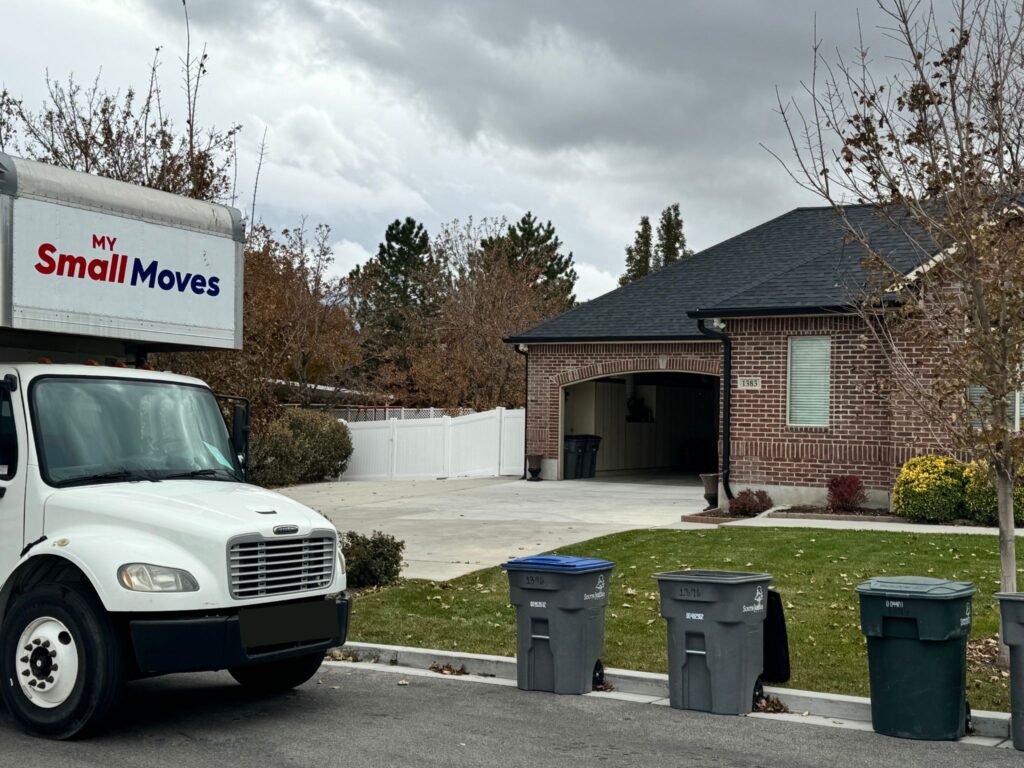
x=453, y=527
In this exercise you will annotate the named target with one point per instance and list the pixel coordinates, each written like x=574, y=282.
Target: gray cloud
x=589, y=113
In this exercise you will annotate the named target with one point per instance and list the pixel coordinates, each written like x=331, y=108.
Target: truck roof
x=30, y=371
x=30, y=179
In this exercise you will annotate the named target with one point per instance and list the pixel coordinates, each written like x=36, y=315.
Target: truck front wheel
x=60, y=660
x=278, y=676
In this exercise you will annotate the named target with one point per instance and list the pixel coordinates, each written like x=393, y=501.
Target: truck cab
x=131, y=544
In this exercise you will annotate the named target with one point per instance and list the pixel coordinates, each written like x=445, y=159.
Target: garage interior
x=659, y=425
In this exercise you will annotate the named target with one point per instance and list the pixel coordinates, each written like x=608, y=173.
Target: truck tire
x=278, y=676
x=61, y=662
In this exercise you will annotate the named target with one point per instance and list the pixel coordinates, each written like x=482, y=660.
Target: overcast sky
x=590, y=113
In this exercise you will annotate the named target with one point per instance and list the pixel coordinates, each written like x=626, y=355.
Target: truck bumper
x=198, y=643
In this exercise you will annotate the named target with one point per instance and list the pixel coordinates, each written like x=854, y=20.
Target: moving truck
x=130, y=543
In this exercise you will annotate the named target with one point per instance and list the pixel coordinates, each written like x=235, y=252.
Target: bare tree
x=125, y=136
x=936, y=146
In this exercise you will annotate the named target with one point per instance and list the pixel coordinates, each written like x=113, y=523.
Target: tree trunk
x=1007, y=548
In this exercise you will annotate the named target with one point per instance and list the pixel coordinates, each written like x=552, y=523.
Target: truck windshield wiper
x=104, y=477
x=210, y=472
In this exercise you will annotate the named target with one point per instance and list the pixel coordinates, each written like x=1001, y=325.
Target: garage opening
x=658, y=426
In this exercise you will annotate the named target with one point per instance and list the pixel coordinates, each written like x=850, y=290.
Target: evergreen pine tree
x=639, y=255
x=671, y=244
x=537, y=245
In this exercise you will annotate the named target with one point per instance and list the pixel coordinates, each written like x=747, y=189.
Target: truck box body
x=93, y=258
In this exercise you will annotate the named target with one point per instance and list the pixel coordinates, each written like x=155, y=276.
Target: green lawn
x=815, y=572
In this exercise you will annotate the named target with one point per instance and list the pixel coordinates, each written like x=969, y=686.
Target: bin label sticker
x=966, y=620
x=598, y=592
x=695, y=616
x=758, y=601
x=893, y=603
x=538, y=604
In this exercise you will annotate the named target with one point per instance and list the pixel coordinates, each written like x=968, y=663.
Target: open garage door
x=656, y=424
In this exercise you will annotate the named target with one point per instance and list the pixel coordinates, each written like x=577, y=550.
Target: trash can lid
x=1010, y=596
x=559, y=563
x=714, y=577
x=923, y=587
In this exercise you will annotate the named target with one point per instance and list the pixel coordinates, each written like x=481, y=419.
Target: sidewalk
x=763, y=521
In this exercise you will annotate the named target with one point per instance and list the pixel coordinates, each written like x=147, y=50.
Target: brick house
x=644, y=366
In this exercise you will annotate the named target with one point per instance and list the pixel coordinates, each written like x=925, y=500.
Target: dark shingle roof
x=799, y=261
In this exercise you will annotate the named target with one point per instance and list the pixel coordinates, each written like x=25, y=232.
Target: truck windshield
x=94, y=430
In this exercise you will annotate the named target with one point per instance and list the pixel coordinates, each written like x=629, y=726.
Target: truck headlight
x=143, y=577
x=341, y=560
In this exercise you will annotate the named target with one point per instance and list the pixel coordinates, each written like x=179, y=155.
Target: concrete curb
x=994, y=725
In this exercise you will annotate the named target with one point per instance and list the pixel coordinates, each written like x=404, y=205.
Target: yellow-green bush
x=930, y=489
x=980, y=499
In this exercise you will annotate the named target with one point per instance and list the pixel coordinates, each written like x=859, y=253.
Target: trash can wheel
x=598, y=674
x=758, y=693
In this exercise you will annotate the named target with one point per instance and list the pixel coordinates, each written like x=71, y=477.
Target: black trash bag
x=776, y=642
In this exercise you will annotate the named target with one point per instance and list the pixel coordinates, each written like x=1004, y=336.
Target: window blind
x=810, y=372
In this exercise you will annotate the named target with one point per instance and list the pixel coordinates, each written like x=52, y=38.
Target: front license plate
x=263, y=625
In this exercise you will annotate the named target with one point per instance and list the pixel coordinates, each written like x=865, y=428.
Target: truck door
x=13, y=462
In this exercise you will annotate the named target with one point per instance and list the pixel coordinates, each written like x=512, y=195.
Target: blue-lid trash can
x=560, y=603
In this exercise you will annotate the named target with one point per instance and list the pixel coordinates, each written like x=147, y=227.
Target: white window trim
x=789, y=380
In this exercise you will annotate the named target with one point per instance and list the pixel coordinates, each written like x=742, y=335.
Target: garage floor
x=453, y=527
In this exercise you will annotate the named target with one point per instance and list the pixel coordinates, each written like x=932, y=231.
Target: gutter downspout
x=523, y=350
x=726, y=399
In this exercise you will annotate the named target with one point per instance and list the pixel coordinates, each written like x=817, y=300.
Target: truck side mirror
x=240, y=427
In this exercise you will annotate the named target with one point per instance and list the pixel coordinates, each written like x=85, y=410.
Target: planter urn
x=710, y=481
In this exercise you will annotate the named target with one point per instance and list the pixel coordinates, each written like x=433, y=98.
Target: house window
x=976, y=394
x=809, y=381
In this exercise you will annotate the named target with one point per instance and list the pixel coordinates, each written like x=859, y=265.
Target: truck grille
x=260, y=567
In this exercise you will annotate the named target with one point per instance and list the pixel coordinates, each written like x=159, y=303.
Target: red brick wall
x=866, y=435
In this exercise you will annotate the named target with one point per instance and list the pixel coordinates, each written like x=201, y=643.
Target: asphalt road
x=362, y=717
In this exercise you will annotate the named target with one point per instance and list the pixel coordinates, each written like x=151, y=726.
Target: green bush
x=300, y=446
x=930, y=489
x=372, y=561
x=981, y=502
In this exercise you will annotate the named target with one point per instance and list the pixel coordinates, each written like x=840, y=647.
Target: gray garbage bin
x=1011, y=608
x=560, y=604
x=715, y=638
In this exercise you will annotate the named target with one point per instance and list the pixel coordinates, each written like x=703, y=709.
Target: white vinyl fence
x=488, y=444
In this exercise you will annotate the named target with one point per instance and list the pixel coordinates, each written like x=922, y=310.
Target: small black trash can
x=715, y=638
x=590, y=458
x=917, y=629
x=574, y=456
x=560, y=603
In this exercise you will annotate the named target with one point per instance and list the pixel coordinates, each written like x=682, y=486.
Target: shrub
x=980, y=496
x=372, y=561
x=846, y=493
x=748, y=503
x=300, y=446
x=930, y=489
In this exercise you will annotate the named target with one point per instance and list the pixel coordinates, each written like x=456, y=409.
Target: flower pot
x=710, y=481
x=533, y=467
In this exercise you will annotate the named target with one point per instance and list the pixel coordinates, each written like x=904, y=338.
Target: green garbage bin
x=917, y=629
x=1011, y=609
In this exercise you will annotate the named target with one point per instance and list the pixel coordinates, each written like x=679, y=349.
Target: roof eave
x=599, y=339
x=824, y=309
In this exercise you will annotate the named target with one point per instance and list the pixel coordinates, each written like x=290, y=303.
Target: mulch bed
x=809, y=512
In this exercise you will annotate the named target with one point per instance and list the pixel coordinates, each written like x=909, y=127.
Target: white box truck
x=130, y=543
